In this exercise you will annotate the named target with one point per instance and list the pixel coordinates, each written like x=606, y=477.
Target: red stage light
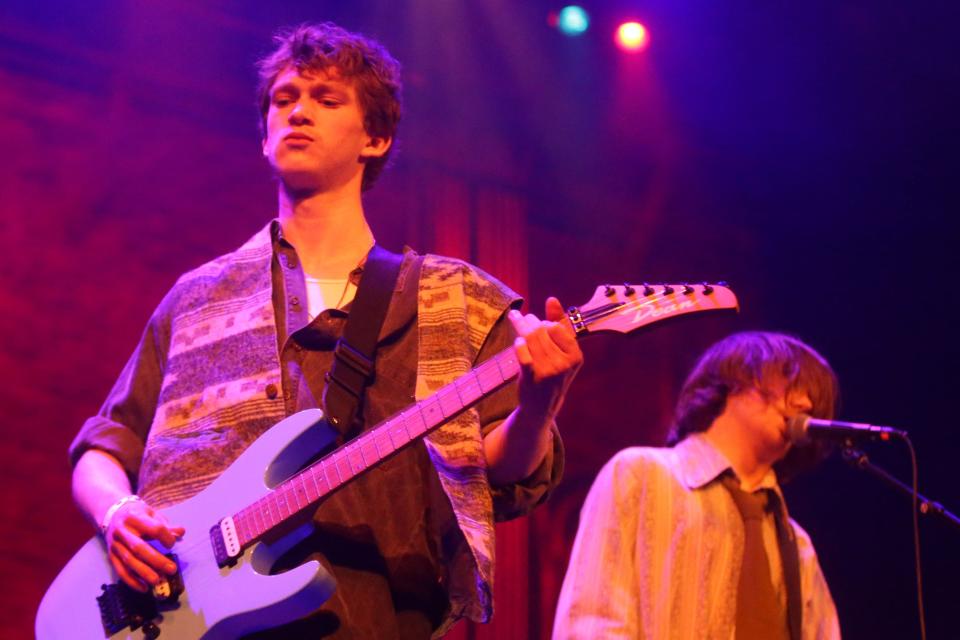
x=631, y=36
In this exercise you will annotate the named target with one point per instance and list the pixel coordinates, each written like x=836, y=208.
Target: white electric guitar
x=240, y=525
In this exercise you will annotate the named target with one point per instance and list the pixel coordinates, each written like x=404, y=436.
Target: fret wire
x=268, y=511
x=238, y=524
x=383, y=437
x=338, y=459
x=470, y=386
x=296, y=496
x=447, y=396
x=418, y=415
x=326, y=475
x=313, y=478
x=249, y=530
x=291, y=498
x=508, y=358
x=318, y=474
x=268, y=519
x=497, y=358
x=359, y=450
x=300, y=489
x=431, y=405
x=414, y=420
x=371, y=443
x=397, y=427
x=489, y=374
x=257, y=520
x=456, y=387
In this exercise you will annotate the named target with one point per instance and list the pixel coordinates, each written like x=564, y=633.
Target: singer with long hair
x=694, y=540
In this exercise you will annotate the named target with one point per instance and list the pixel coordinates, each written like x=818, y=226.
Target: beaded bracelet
x=108, y=516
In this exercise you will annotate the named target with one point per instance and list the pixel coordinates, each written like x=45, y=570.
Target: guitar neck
x=614, y=308
x=372, y=447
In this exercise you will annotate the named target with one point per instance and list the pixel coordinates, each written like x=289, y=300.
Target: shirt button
x=294, y=302
x=291, y=262
x=271, y=390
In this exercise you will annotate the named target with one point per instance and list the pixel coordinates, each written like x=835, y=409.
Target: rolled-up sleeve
x=518, y=498
x=121, y=426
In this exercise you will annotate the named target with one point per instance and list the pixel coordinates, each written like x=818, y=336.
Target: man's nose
x=801, y=402
x=299, y=114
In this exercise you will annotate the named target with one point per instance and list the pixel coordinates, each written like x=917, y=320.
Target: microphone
x=801, y=428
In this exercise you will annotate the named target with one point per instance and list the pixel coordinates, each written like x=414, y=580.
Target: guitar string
x=204, y=541
x=588, y=318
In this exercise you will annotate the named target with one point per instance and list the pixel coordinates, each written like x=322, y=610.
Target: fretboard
x=372, y=447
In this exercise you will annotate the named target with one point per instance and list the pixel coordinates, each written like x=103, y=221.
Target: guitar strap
x=353, y=357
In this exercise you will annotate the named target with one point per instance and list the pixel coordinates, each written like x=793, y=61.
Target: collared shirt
x=658, y=552
x=390, y=537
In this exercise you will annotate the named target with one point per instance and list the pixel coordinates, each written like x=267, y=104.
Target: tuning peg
x=667, y=289
x=608, y=290
x=628, y=290
x=707, y=289
x=687, y=289
x=647, y=289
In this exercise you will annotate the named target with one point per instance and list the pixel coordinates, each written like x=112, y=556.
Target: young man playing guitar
x=693, y=541
x=249, y=338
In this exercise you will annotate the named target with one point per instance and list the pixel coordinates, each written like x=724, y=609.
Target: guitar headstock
x=626, y=307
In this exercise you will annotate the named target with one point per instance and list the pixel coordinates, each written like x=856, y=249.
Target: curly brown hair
x=375, y=75
x=753, y=360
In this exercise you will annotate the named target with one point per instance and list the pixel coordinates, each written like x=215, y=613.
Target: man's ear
x=263, y=146
x=376, y=147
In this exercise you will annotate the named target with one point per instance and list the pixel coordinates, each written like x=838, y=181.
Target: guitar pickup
x=226, y=545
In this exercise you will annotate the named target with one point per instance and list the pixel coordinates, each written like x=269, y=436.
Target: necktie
x=759, y=614
x=790, y=557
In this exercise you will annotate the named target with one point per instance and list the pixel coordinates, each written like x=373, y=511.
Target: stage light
x=572, y=20
x=631, y=36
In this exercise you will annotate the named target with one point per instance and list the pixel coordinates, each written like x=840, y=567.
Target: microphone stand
x=859, y=460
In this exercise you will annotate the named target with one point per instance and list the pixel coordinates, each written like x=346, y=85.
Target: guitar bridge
x=122, y=607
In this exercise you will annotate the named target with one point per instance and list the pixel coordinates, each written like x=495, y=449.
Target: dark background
x=803, y=152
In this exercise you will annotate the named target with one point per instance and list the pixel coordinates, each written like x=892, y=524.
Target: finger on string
x=128, y=557
x=523, y=351
x=126, y=575
x=177, y=531
x=145, y=552
x=545, y=365
x=153, y=528
x=564, y=337
x=544, y=345
x=519, y=323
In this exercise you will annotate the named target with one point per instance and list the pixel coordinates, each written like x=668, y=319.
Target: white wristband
x=108, y=516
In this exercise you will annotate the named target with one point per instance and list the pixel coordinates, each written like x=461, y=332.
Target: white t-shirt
x=327, y=294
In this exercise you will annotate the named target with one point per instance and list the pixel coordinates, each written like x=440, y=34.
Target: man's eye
x=281, y=101
x=330, y=102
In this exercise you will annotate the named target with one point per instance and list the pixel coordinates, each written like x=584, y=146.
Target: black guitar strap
x=353, y=357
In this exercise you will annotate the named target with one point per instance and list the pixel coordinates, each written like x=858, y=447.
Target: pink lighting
x=632, y=37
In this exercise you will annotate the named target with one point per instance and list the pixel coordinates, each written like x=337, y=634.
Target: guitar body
x=216, y=602
x=231, y=601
